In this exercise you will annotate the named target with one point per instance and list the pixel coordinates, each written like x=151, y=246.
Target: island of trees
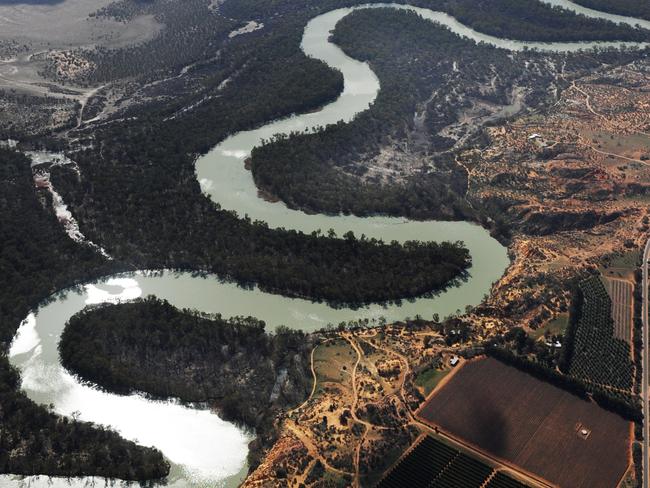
x=232, y=364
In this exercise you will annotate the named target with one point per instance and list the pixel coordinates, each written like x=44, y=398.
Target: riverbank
x=490, y=260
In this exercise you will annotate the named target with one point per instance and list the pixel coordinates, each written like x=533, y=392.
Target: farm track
x=315, y=380
x=415, y=421
x=604, y=118
x=607, y=123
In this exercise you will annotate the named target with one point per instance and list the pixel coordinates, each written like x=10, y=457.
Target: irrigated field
x=620, y=292
x=598, y=355
x=432, y=464
x=513, y=416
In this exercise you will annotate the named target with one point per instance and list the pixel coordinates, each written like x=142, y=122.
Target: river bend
x=203, y=449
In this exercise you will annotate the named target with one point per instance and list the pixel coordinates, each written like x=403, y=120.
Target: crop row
x=432, y=464
x=500, y=480
x=598, y=356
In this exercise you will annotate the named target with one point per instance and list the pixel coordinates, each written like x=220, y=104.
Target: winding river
x=203, y=449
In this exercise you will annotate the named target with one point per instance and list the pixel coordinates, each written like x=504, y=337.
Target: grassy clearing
x=555, y=326
x=627, y=260
x=428, y=379
x=621, y=266
x=333, y=362
x=627, y=145
x=335, y=480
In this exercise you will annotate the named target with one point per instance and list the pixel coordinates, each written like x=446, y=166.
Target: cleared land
x=69, y=24
x=532, y=424
x=620, y=292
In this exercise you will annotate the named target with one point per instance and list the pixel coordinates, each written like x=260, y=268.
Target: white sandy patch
x=252, y=26
x=26, y=337
x=130, y=291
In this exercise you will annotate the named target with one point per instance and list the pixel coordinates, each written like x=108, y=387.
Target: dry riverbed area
x=38, y=36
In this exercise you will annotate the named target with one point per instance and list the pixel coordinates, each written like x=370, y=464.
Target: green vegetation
x=150, y=346
x=512, y=19
x=191, y=32
x=535, y=20
x=591, y=359
x=597, y=356
x=21, y=113
x=332, y=362
x=139, y=196
x=35, y=441
x=167, y=223
x=422, y=71
x=429, y=379
x=554, y=327
x=321, y=172
x=628, y=261
x=630, y=8
x=38, y=259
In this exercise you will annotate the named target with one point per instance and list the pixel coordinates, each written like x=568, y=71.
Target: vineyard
x=500, y=480
x=436, y=465
x=620, y=292
x=463, y=471
x=598, y=356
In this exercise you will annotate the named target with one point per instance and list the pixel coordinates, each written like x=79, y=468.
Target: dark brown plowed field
x=532, y=424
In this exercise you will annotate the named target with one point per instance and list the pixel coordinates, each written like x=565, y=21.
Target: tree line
x=37, y=259
x=139, y=197
x=511, y=19
x=422, y=68
x=631, y=8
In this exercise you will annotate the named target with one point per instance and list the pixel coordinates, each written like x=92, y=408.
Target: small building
x=454, y=361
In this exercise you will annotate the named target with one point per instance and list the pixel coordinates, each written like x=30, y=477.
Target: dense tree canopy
x=140, y=199
x=512, y=19
x=234, y=365
x=37, y=259
x=631, y=8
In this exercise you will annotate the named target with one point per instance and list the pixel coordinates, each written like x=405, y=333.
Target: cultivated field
x=512, y=416
x=431, y=464
x=620, y=292
x=598, y=355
